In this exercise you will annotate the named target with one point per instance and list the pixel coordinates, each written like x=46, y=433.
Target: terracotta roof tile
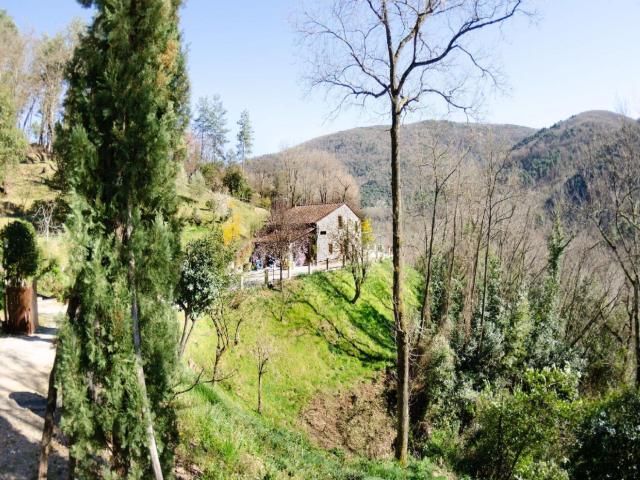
x=306, y=214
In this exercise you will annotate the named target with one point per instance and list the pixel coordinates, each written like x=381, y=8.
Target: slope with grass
x=321, y=344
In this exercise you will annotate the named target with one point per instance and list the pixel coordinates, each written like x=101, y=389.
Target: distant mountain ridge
x=547, y=157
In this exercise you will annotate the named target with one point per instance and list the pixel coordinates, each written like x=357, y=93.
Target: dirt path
x=25, y=363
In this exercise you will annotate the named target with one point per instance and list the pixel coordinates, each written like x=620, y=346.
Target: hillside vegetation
x=323, y=345
x=548, y=157
x=365, y=151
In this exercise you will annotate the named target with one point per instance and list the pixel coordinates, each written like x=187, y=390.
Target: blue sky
x=579, y=55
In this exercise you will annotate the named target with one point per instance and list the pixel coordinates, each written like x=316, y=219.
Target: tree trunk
x=484, y=277
x=636, y=321
x=260, y=393
x=216, y=364
x=425, y=313
x=34, y=304
x=47, y=432
x=146, y=410
x=6, y=317
x=356, y=296
x=402, y=334
x=184, y=338
x=452, y=261
x=467, y=310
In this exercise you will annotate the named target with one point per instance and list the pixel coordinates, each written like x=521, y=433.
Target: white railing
x=271, y=275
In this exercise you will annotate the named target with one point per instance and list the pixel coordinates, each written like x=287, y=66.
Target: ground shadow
x=31, y=401
x=52, y=331
x=19, y=455
x=362, y=315
x=340, y=341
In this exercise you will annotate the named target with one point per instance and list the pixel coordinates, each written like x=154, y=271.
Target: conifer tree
x=120, y=143
x=245, y=137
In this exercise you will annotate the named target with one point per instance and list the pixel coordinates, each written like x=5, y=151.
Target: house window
x=340, y=222
x=323, y=232
x=331, y=249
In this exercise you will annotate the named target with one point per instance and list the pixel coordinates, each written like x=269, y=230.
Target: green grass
x=25, y=183
x=322, y=344
x=227, y=441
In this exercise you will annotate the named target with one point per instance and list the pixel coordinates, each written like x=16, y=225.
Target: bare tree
x=404, y=51
x=51, y=59
x=303, y=176
x=276, y=238
x=45, y=217
x=192, y=155
x=442, y=163
x=262, y=353
x=355, y=241
x=614, y=188
x=496, y=210
x=227, y=327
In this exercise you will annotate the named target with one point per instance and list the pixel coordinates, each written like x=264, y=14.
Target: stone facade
x=329, y=229
x=310, y=233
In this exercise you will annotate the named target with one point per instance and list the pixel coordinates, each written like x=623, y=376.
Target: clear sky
x=579, y=55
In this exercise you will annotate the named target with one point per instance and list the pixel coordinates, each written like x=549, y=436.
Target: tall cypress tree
x=119, y=147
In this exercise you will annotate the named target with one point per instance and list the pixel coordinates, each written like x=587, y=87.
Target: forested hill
x=552, y=159
x=548, y=155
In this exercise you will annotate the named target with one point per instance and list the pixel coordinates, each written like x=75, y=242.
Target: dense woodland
x=502, y=341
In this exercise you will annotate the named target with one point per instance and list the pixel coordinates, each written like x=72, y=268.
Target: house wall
x=329, y=224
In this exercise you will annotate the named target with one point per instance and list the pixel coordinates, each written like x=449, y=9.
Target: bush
x=264, y=202
x=19, y=251
x=520, y=434
x=212, y=173
x=52, y=281
x=237, y=184
x=608, y=440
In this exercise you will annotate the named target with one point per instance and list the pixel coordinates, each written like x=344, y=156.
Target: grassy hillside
x=28, y=182
x=25, y=183
x=322, y=344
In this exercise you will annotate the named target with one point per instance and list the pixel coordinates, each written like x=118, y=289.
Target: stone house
x=305, y=234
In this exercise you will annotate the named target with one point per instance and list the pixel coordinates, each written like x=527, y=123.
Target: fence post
x=266, y=277
x=309, y=268
x=327, y=263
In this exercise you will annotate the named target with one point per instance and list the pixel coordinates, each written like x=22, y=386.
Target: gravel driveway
x=25, y=363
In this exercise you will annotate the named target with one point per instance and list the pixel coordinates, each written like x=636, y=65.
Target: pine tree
x=210, y=127
x=125, y=115
x=245, y=137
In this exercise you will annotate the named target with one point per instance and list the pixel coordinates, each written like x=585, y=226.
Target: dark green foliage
x=204, y=273
x=545, y=345
x=481, y=356
x=519, y=434
x=212, y=173
x=19, y=251
x=119, y=147
x=237, y=184
x=608, y=440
